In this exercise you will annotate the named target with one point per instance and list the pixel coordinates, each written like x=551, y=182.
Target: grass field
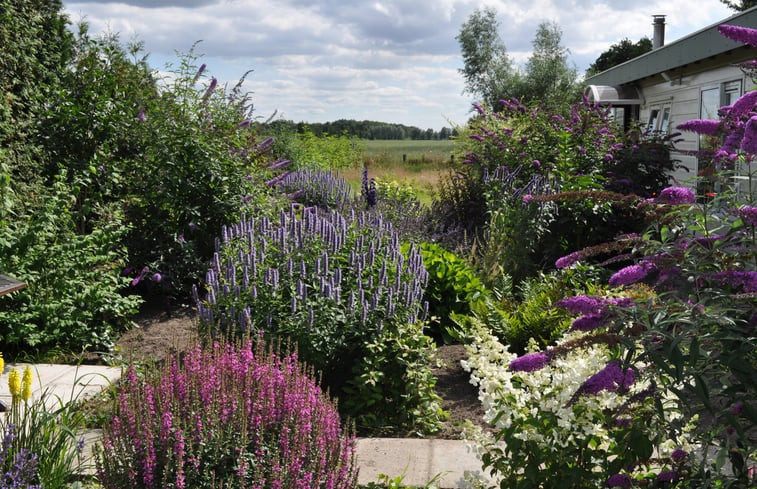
x=416, y=163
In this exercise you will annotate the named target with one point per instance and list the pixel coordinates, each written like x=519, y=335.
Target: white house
x=687, y=79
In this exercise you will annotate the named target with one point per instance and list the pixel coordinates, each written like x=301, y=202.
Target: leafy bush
x=323, y=152
x=452, y=288
x=73, y=299
x=226, y=417
x=331, y=284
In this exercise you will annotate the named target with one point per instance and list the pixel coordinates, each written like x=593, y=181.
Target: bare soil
x=158, y=334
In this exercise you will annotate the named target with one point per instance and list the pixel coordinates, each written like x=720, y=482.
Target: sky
x=387, y=60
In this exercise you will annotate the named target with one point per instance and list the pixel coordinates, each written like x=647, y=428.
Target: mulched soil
x=159, y=333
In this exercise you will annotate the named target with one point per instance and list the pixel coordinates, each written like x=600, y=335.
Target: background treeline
x=362, y=129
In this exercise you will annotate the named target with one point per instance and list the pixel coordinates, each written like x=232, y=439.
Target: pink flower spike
x=745, y=104
x=744, y=35
x=700, y=126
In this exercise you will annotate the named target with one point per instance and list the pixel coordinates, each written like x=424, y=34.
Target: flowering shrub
x=571, y=416
x=330, y=284
x=227, y=417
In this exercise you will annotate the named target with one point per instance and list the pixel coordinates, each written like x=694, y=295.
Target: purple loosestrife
x=744, y=35
x=240, y=401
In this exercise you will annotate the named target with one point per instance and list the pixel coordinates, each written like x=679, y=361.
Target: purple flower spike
x=279, y=164
x=667, y=476
x=619, y=480
x=628, y=275
x=211, y=87
x=588, y=322
x=748, y=214
x=530, y=362
x=479, y=109
x=744, y=104
x=679, y=454
x=476, y=137
x=737, y=408
x=677, y=196
x=749, y=143
x=700, y=126
x=265, y=144
x=568, y=260
x=744, y=35
x=610, y=378
x=244, y=123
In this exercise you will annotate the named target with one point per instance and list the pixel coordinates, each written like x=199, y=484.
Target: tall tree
x=619, y=53
x=488, y=70
x=740, y=6
x=548, y=77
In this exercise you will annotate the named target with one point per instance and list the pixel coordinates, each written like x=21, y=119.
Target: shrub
x=226, y=417
x=324, y=152
x=452, y=289
x=331, y=284
x=73, y=300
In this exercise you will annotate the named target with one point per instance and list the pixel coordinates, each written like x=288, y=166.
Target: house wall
x=683, y=94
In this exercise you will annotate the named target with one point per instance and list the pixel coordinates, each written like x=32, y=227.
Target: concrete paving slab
x=419, y=461
x=62, y=383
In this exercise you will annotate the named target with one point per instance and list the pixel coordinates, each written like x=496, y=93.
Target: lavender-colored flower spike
x=749, y=142
x=530, y=362
x=745, y=104
x=611, y=378
x=744, y=35
x=700, y=126
x=628, y=275
x=211, y=87
x=677, y=196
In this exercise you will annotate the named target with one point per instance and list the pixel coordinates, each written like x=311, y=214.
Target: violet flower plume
x=265, y=144
x=744, y=35
x=677, y=196
x=530, y=362
x=748, y=214
x=700, y=126
x=619, y=480
x=628, y=275
x=749, y=142
x=745, y=104
x=611, y=378
x=568, y=260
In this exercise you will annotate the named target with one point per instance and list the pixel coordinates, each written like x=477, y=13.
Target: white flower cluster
x=543, y=404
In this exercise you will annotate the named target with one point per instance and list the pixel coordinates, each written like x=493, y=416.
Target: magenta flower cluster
x=611, y=378
x=238, y=416
x=748, y=214
x=744, y=35
x=677, y=196
x=530, y=362
x=628, y=275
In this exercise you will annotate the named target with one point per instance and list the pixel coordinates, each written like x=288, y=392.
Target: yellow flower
x=2, y=363
x=14, y=383
x=26, y=388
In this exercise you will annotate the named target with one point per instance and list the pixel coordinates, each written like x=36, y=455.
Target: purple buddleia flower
x=611, y=378
x=244, y=124
x=279, y=164
x=530, y=362
x=265, y=144
x=748, y=214
x=568, y=260
x=209, y=90
x=582, y=304
x=667, y=476
x=677, y=196
x=679, y=454
x=700, y=126
x=736, y=278
x=749, y=142
x=628, y=275
x=744, y=35
x=142, y=117
x=744, y=105
x=619, y=480
x=479, y=109
x=588, y=322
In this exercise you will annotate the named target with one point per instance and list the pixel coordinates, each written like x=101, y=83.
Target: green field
x=415, y=152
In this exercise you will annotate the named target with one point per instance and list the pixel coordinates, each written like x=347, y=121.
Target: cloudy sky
x=386, y=60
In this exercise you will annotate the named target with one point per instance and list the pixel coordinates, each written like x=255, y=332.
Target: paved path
x=418, y=461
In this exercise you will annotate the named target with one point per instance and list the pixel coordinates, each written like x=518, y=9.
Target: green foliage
x=325, y=152
x=73, y=299
x=619, y=53
x=49, y=428
x=741, y=5
x=453, y=287
x=36, y=49
x=392, y=390
x=530, y=316
x=548, y=79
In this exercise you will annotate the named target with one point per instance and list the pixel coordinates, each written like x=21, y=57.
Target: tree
x=619, y=53
x=548, y=78
x=740, y=6
x=488, y=70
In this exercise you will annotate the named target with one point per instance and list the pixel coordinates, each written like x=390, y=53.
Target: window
x=659, y=118
x=731, y=91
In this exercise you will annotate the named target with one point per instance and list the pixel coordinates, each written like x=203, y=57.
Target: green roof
x=700, y=45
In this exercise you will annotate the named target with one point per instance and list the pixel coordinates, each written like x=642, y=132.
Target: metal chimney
x=659, y=31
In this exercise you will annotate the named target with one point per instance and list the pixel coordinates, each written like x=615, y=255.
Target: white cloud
x=393, y=60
